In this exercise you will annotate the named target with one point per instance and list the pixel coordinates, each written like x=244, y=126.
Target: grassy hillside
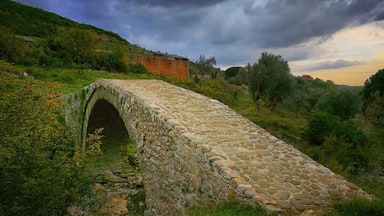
x=29, y=21
x=31, y=36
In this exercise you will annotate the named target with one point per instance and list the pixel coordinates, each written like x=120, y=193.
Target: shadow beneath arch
x=104, y=115
x=116, y=172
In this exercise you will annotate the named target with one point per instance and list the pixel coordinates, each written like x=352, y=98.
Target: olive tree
x=205, y=66
x=269, y=80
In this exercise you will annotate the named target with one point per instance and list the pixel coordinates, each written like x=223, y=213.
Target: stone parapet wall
x=192, y=149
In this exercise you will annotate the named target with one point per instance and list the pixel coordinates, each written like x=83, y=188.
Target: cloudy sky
x=339, y=40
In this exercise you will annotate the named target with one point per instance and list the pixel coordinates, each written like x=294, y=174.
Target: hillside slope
x=31, y=36
x=26, y=20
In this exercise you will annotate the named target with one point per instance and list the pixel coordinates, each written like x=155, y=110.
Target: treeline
x=339, y=119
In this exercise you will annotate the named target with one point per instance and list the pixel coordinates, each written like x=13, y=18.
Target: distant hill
x=31, y=36
x=26, y=20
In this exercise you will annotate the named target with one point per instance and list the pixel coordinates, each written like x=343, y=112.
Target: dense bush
x=358, y=207
x=137, y=68
x=320, y=125
x=342, y=103
x=241, y=77
x=109, y=62
x=231, y=72
x=373, y=98
x=344, y=147
x=40, y=169
x=10, y=46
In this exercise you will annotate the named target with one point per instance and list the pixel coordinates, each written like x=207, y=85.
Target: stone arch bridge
x=192, y=148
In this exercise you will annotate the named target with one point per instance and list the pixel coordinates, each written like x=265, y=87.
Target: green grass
x=357, y=207
x=72, y=80
x=229, y=209
x=372, y=185
x=115, y=156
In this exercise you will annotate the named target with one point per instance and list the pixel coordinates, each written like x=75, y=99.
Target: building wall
x=172, y=67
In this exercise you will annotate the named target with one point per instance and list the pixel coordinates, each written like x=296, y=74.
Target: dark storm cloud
x=281, y=23
x=178, y=3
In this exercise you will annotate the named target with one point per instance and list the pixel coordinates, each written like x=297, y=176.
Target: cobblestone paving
x=266, y=170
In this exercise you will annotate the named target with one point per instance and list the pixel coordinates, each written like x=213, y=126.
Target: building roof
x=174, y=56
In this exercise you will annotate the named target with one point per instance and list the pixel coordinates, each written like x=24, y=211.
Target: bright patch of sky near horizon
x=349, y=57
x=338, y=40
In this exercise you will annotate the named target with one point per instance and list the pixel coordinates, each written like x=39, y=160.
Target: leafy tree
x=343, y=103
x=269, y=79
x=315, y=91
x=373, y=97
x=320, y=125
x=109, y=61
x=241, y=77
x=10, y=46
x=344, y=147
x=231, y=72
x=205, y=66
x=299, y=99
x=193, y=69
x=78, y=45
x=137, y=68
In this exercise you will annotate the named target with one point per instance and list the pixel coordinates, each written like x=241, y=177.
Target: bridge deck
x=266, y=169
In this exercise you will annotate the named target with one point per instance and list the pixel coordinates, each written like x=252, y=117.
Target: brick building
x=166, y=64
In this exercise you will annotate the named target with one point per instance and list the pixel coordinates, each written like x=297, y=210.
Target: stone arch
x=118, y=165
x=105, y=115
x=110, y=102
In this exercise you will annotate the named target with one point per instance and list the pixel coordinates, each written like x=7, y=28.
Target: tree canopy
x=269, y=79
x=205, y=66
x=78, y=44
x=231, y=72
x=373, y=97
x=343, y=103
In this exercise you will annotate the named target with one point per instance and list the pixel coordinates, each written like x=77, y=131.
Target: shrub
x=137, y=68
x=231, y=72
x=344, y=147
x=343, y=103
x=39, y=172
x=373, y=98
x=320, y=125
x=358, y=207
x=109, y=62
x=10, y=46
x=230, y=208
